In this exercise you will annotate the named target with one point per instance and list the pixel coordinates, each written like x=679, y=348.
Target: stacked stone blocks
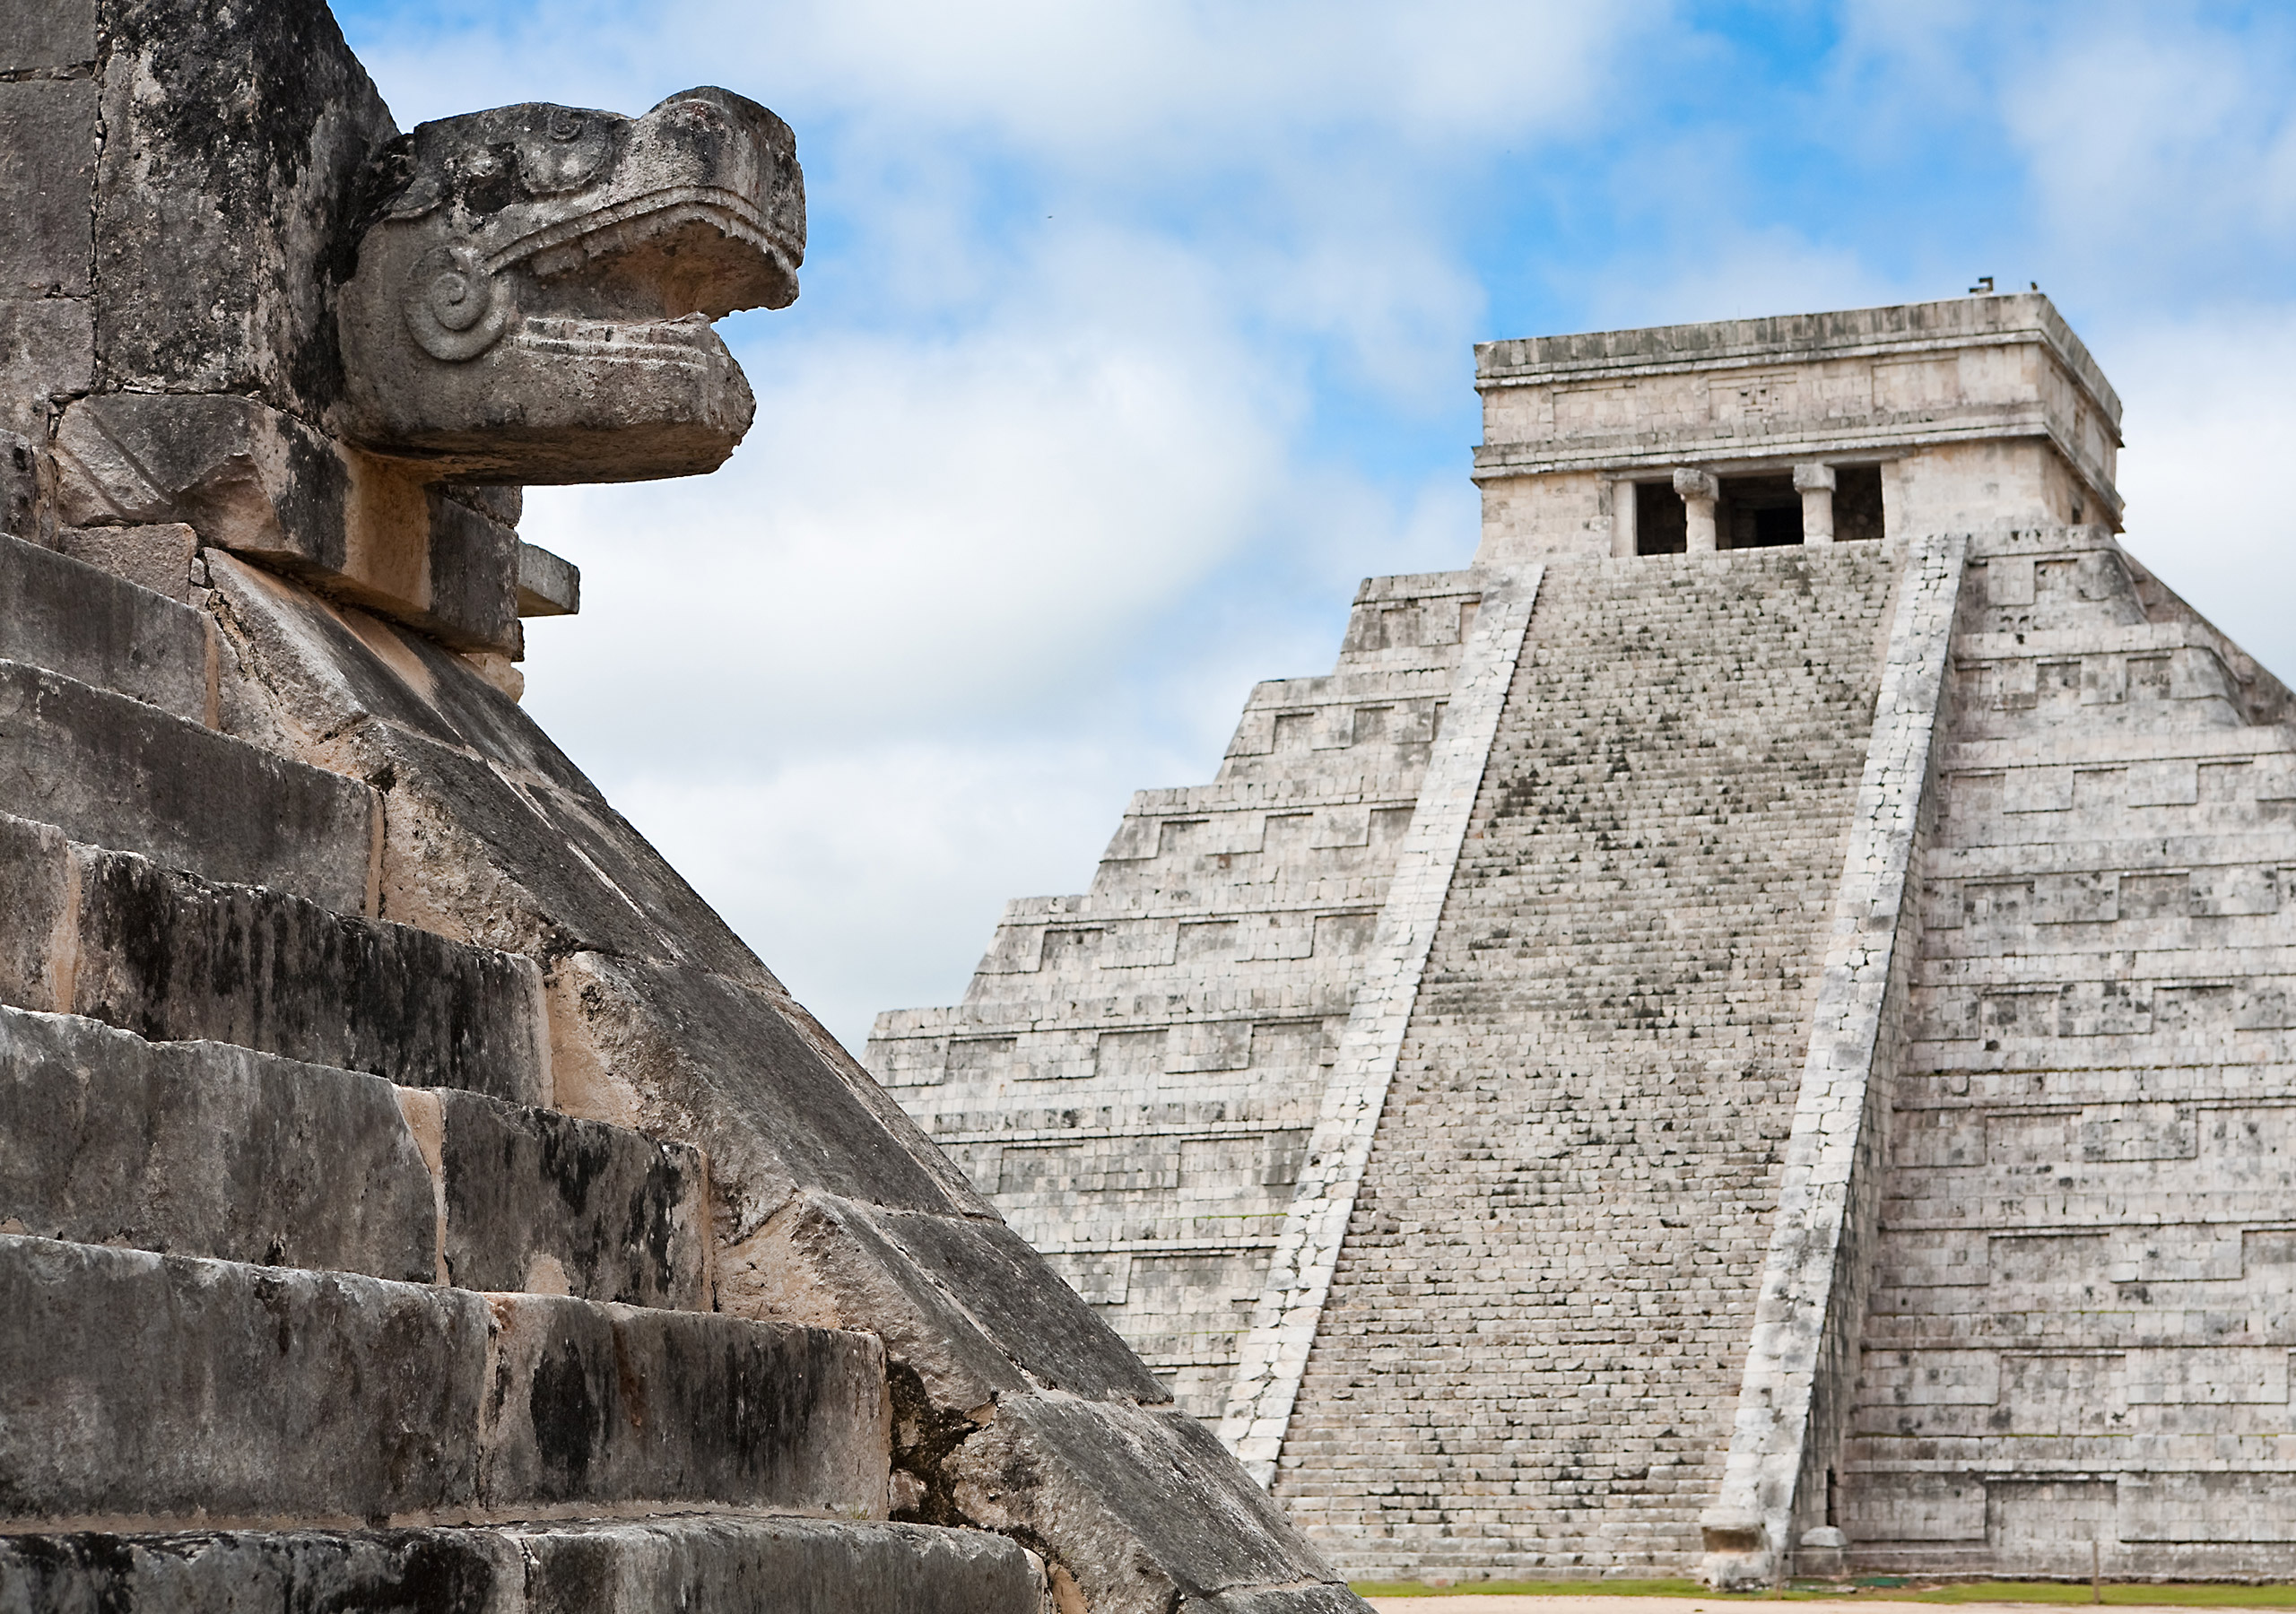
x=1298, y=1282
x=1800, y=1364
x=1824, y=1113
x=2076, y=1332
x=411, y=1195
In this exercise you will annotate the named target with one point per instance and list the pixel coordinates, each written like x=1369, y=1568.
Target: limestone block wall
x=1135, y=1071
x=1534, y=1340
x=2081, y=1326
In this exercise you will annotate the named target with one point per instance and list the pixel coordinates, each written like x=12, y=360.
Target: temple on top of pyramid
x=1747, y=1031
x=1810, y=428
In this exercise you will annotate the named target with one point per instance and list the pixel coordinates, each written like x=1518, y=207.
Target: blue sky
x=1133, y=333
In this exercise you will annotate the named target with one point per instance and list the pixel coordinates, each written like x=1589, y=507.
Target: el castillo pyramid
x=1746, y=1032
x=413, y=1197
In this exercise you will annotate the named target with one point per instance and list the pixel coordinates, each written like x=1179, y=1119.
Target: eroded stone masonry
x=1747, y=1031
x=411, y=1195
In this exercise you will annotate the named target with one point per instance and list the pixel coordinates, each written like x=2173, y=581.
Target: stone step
x=207, y=1150
x=86, y=623
x=114, y=771
x=145, y=1392
x=714, y=1564
x=175, y=958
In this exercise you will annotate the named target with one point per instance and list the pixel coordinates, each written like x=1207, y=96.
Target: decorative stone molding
x=573, y=260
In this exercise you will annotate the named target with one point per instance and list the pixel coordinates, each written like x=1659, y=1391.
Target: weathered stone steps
x=87, y=624
x=1598, y=1079
x=111, y=770
x=208, y=1149
x=174, y=957
x=721, y=1564
x=147, y=1391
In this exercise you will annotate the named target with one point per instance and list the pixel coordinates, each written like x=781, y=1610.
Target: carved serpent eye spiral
x=454, y=308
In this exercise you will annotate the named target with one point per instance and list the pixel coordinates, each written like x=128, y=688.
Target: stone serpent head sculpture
x=336, y=352
x=535, y=288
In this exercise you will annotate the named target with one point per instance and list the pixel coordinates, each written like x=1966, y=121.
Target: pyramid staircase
x=315, y=1299
x=1530, y=1355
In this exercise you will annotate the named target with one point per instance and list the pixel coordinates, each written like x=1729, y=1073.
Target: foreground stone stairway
x=313, y=1297
x=413, y=1179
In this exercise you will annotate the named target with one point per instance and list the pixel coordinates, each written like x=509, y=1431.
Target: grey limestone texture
x=1962, y=414
x=710, y=1565
x=547, y=585
x=141, y=1387
x=1814, y=1280
x=1804, y=1098
x=207, y=1150
x=1618, y=1120
x=113, y=771
x=158, y=556
x=1266, y=1385
x=411, y=1193
x=212, y=1150
x=525, y=1193
x=573, y=259
x=2078, y=1320
x=74, y=619
x=175, y=958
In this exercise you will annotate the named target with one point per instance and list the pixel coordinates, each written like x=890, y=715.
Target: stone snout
x=535, y=288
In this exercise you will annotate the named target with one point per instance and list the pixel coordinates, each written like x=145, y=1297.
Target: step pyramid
x=1744, y=1033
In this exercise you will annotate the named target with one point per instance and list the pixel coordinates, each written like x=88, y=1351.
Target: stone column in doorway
x=1623, y=511
x=1699, y=489
x=1814, y=483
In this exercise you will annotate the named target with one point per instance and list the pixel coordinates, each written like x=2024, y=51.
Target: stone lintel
x=547, y=585
x=260, y=483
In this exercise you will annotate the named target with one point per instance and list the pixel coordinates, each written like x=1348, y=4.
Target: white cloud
x=2147, y=125
x=1140, y=85
x=965, y=585
x=2156, y=142
x=1740, y=273
x=2210, y=423
x=872, y=880
x=1151, y=86
x=920, y=528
